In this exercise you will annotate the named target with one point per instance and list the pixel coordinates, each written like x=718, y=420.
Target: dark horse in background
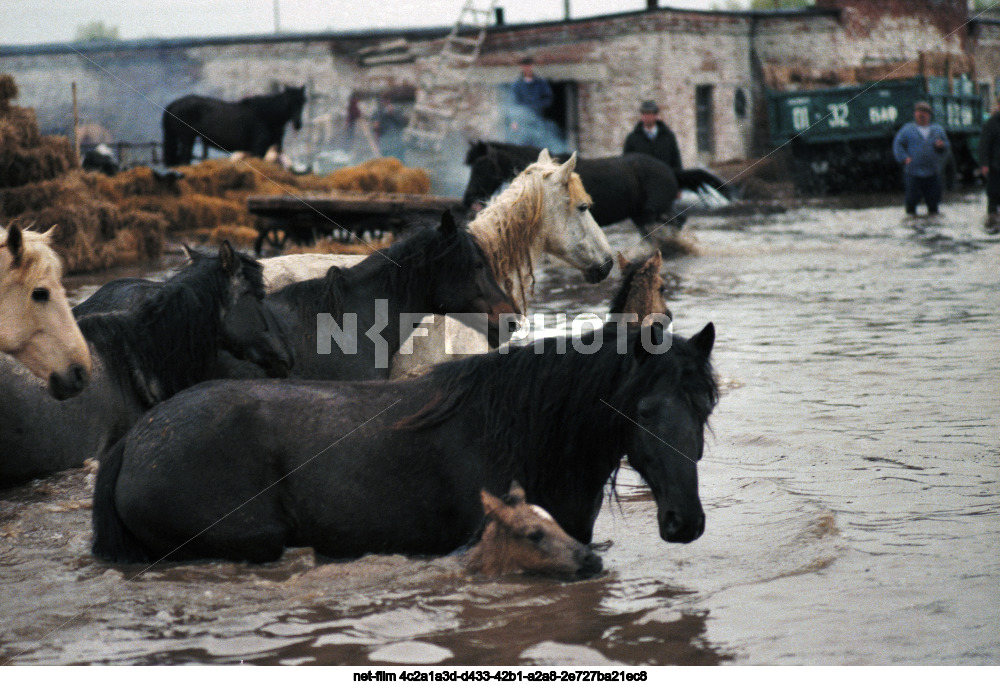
x=252, y=124
x=633, y=186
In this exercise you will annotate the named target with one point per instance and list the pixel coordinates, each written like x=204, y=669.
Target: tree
x=96, y=31
x=780, y=4
x=988, y=6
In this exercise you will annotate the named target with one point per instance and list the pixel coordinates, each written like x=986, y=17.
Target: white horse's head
x=544, y=209
x=36, y=323
x=572, y=234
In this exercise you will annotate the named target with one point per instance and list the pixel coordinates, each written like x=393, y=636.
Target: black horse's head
x=671, y=395
x=477, y=149
x=463, y=280
x=249, y=331
x=485, y=178
x=296, y=100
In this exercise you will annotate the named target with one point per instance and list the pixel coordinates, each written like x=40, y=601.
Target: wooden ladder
x=443, y=81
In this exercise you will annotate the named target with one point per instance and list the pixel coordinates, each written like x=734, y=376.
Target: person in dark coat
x=989, y=159
x=530, y=96
x=389, y=124
x=653, y=137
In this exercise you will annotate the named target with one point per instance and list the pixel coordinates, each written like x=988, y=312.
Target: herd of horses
x=227, y=426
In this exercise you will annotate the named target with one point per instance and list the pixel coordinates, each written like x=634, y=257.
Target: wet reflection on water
x=850, y=485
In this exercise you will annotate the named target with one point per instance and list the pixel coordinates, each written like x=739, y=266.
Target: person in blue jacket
x=531, y=96
x=921, y=147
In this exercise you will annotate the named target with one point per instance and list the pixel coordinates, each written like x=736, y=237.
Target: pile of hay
x=105, y=221
x=209, y=204
x=41, y=185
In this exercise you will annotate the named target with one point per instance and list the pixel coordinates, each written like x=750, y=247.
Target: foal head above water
x=523, y=538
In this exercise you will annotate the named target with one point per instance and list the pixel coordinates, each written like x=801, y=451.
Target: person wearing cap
x=989, y=159
x=921, y=147
x=653, y=137
x=531, y=95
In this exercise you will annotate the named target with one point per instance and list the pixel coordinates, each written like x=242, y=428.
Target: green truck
x=840, y=138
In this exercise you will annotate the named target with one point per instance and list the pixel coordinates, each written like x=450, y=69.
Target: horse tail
x=112, y=540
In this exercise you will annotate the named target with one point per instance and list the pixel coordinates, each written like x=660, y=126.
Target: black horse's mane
x=540, y=406
x=511, y=158
x=275, y=107
x=518, y=153
x=406, y=268
x=170, y=341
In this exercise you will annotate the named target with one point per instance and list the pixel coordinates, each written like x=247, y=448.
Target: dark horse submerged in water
x=167, y=342
x=252, y=124
x=244, y=469
x=633, y=186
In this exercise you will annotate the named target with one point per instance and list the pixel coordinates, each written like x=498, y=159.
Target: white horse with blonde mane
x=37, y=327
x=544, y=209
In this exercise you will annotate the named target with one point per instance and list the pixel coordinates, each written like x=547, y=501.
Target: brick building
x=708, y=70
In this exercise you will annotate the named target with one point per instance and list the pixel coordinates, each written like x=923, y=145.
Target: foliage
x=96, y=31
x=780, y=4
x=988, y=6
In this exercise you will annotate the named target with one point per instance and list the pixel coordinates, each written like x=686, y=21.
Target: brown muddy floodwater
x=850, y=483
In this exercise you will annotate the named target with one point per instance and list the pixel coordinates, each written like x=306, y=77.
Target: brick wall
x=615, y=63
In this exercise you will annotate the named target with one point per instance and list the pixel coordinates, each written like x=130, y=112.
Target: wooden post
x=76, y=124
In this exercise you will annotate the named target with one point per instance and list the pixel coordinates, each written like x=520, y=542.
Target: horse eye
x=40, y=295
x=536, y=535
x=646, y=410
x=583, y=206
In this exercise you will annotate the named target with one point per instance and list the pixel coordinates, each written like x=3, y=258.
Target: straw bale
x=8, y=90
x=216, y=176
x=238, y=235
x=412, y=180
x=19, y=126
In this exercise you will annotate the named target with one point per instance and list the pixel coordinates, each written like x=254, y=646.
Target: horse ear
x=622, y=262
x=704, y=340
x=491, y=505
x=515, y=495
x=15, y=243
x=655, y=261
x=189, y=252
x=448, y=227
x=50, y=234
x=568, y=167
x=544, y=156
x=230, y=260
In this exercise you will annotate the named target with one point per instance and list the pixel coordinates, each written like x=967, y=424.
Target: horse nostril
x=78, y=375
x=590, y=566
x=596, y=274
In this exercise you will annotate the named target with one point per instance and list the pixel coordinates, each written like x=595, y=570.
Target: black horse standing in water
x=252, y=124
x=633, y=186
x=244, y=469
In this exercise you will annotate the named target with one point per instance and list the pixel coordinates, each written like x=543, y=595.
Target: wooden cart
x=305, y=218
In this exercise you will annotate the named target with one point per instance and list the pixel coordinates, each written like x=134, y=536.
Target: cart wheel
x=274, y=237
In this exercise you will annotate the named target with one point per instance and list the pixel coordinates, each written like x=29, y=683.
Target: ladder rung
x=426, y=135
x=431, y=111
x=462, y=59
x=471, y=42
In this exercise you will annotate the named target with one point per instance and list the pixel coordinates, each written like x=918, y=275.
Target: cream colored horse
x=36, y=323
x=545, y=209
